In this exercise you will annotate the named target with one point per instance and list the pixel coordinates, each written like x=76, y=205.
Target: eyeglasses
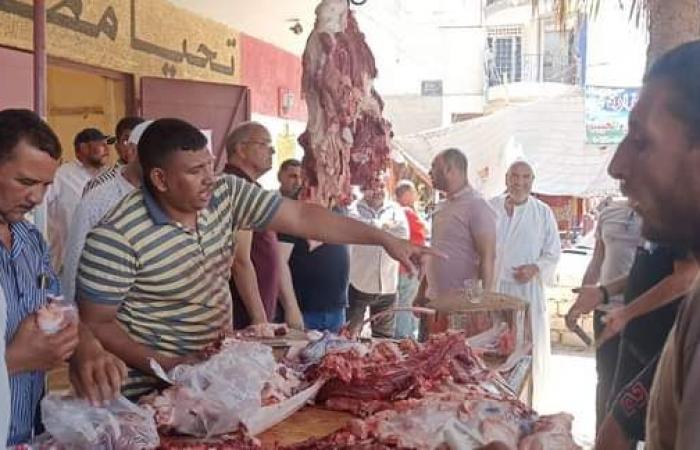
x=266, y=144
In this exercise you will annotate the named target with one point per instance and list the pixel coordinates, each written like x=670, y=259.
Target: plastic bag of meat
x=215, y=396
x=121, y=425
x=329, y=342
x=56, y=315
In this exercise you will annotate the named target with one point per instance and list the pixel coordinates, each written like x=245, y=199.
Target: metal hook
x=356, y=2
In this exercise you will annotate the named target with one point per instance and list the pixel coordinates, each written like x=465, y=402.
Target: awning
x=548, y=133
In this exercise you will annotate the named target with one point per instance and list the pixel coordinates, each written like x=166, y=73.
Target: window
x=504, y=60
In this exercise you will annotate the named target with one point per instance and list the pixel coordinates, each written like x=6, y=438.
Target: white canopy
x=548, y=133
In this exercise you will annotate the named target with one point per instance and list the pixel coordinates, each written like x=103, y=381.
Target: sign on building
x=431, y=88
x=607, y=113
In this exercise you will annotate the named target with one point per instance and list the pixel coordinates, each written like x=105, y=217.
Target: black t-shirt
x=646, y=334
x=320, y=277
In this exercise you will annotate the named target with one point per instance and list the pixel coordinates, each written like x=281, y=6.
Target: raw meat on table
x=436, y=421
x=362, y=383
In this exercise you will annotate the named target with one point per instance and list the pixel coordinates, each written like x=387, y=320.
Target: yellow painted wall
x=164, y=40
x=78, y=99
x=137, y=37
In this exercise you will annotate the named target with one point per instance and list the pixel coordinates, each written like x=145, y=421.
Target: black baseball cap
x=91, y=135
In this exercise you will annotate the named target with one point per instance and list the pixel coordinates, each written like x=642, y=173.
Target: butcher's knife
x=582, y=335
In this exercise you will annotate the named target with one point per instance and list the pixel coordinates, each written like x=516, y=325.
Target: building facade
x=110, y=58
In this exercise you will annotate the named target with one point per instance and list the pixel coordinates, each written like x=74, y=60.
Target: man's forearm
x=616, y=286
x=16, y=360
x=592, y=275
x=115, y=340
x=486, y=270
x=287, y=296
x=247, y=285
x=663, y=293
x=317, y=223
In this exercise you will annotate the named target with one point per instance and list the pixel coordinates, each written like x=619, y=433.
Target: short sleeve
x=107, y=268
x=599, y=228
x=252, y=207
x=483, y=220
x=287, y=238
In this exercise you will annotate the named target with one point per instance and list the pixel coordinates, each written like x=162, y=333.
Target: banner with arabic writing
x=607, y=113
x=145, y=38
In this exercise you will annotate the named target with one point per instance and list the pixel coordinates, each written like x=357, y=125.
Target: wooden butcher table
x=310, y=422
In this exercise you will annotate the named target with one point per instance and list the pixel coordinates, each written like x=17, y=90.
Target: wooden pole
x=40, y=58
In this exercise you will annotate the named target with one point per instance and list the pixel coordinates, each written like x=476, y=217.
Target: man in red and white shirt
x=406, y=322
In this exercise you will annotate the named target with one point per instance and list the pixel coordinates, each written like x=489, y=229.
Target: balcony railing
x=556, y=68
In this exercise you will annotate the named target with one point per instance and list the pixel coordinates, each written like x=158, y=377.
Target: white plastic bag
x=120, y=425
x=215, y=396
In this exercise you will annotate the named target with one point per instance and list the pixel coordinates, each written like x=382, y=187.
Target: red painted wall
x=266, y=69
x=16, y=79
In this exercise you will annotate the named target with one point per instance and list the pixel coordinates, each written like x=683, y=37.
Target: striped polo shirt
x=170, y=283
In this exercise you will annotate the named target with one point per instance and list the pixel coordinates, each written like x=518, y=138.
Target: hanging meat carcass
x=347, y=141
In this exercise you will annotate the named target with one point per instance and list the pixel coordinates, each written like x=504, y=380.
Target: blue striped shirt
x=20, y=268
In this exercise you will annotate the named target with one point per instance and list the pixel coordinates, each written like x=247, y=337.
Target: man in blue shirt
x=29, y=157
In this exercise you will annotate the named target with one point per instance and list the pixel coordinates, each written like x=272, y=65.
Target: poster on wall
x=607, y=112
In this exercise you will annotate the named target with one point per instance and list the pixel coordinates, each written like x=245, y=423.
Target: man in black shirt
x=658, y=268
x=320, y=278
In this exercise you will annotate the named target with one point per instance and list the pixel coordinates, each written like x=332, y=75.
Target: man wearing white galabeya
x=528, y=250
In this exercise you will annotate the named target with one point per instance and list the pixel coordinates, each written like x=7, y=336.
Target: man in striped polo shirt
x=153, y=277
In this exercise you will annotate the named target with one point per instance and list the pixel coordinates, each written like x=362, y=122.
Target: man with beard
x=528, y=250
x=464, y=228
x=97, y=200
x=289, y=177
x=658, y=162
x=153, y=281
x=124, y=150
x=91, y=154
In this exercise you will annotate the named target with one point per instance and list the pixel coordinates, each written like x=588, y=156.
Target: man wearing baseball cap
x=122, y=133
x=91, y=156
x=103, y=194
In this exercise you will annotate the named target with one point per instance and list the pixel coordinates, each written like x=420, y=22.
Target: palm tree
x=670, y=22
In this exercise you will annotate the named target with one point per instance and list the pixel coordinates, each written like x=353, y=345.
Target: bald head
x=522, y=166
x=249, y=147
x=519, y=179
x=241, y=135
x=448, y=171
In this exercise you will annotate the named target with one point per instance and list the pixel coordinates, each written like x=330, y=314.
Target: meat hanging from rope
x=347, y=141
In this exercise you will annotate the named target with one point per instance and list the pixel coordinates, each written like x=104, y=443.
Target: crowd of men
x=161, y=255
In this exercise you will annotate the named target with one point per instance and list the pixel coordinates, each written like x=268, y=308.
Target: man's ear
x=158, y=179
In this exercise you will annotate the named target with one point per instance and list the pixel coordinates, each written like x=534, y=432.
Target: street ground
x=572, y=382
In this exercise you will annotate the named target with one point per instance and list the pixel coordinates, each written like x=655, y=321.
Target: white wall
x=277, y=126
x=413, y=41
x=616, y=48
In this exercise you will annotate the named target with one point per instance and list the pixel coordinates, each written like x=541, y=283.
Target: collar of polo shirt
x=154, y=210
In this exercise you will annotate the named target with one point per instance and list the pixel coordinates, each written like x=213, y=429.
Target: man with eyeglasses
x=259, y=278
x=153, y=276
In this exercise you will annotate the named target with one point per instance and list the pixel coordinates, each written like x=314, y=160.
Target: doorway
x=81, y=97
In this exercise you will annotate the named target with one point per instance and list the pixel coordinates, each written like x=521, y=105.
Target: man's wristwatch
x=606, y=294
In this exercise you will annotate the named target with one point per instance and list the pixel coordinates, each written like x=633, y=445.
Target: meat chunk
x=386, y=374
x=346, y=140
x=551, y=433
